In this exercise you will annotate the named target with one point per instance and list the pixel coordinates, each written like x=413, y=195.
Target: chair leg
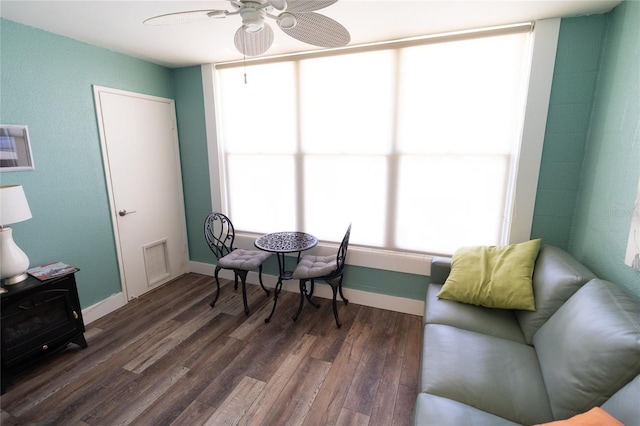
x=335, y=306
x=276, y=292
x=212, y=304
x=309, y=294
x=344, y=299
x=303, y=287
x=336, y=285
x=243, y=276
x=260, y=278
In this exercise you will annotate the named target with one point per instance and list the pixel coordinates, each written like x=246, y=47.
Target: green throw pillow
x=494, y=277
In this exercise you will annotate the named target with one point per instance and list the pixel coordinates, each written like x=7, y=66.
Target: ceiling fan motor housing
x=252, y=17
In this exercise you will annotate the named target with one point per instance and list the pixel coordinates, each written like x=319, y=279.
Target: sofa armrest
x=623, y=405
x=440, y=268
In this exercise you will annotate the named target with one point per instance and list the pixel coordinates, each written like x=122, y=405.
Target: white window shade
x=415, y=144
x=347, y=104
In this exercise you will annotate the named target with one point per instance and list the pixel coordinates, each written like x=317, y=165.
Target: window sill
x=410, y=263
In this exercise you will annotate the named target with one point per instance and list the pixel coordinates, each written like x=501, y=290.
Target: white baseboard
x=359, y=297
x=103, y=308
x=374, y=300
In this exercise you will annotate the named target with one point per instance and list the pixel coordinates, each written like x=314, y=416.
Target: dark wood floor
x=169, y=358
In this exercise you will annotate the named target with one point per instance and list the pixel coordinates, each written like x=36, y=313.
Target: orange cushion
x=594, y=417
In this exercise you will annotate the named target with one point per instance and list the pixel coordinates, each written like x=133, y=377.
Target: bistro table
x=282, y=243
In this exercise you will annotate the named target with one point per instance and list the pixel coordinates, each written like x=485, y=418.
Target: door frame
x=107, y=171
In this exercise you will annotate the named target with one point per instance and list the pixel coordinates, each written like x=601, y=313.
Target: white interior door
x=142, y=165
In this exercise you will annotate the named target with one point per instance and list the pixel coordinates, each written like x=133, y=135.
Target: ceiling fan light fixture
x=253, y=26
x=253, y=44
x=287, y=21
x=278, y=4
x=252, y=19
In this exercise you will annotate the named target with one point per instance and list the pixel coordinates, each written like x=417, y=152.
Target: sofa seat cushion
x=433, y=410
x=492, y=374
x=589, y=348
x=556, y=277
x=494, y=322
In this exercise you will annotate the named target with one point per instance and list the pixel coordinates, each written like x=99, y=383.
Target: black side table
x=38, y=319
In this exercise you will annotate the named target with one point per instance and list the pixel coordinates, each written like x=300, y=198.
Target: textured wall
x=572, y=93
x=46, y=83
x=612, y=158
x=194, y=158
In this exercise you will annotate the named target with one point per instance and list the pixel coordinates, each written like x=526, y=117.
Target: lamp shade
x=13, y=205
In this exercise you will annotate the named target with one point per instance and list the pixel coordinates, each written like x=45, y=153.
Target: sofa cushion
x=556, y=277
x=623, y=405
x=495, y=375
x=494, y=277
x=589, y=348
x=315, y=266
x=244, y=259
x=494, y=322
x=433, y=410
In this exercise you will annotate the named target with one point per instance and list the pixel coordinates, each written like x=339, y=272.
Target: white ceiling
x=117, y=24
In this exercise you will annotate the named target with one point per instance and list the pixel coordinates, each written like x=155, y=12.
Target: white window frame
x=543, y=53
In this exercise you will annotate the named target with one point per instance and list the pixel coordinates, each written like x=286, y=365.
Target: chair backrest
x=342, y=251
x=219, y=233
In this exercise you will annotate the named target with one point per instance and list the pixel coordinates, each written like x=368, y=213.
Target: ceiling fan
x=297, y=18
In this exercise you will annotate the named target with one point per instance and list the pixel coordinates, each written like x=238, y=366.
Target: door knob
x=123, y=212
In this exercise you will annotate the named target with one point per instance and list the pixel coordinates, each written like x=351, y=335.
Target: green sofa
x=579, y=349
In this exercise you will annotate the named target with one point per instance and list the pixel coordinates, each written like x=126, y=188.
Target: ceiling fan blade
x=318, y=30
x=185, y=17
x=295, y=6
x=253, y=44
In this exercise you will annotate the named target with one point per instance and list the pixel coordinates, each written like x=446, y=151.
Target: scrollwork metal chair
x=220, y=235
x=327, y=268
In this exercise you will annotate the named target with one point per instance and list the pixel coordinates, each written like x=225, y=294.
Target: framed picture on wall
x=15, y=148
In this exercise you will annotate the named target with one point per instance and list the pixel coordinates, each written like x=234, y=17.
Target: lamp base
x=16, y=279
x=13, y=261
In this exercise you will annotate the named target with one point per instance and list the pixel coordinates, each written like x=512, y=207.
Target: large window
x=416, y=143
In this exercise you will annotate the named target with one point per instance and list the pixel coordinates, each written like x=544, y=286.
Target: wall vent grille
x=156, y=260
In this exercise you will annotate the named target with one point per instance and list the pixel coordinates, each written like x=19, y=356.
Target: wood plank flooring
x=168, y=358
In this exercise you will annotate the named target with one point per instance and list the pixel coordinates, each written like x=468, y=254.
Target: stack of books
x=51, y=270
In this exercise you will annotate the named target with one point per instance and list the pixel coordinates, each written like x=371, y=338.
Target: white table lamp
x=13, y=208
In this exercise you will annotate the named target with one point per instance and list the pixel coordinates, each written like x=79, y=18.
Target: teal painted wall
x=612, y=157
x=194, y=157
x=46, y=83
x=572, y=93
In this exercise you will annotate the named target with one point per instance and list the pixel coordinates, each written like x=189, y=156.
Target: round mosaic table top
x=286, y=242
